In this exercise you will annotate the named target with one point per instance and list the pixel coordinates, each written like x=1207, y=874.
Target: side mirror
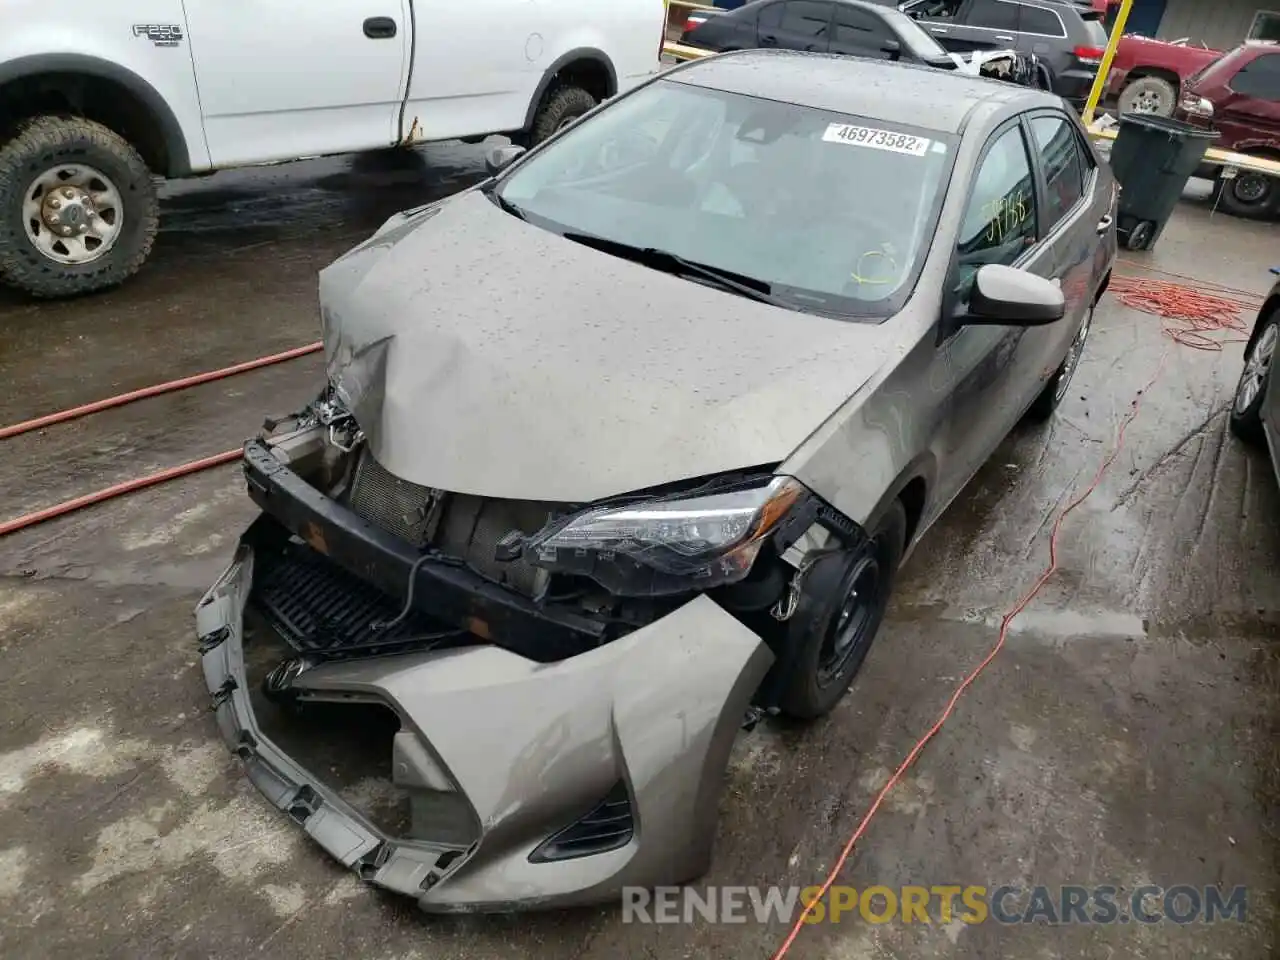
x=499, y=158
x=892, y=47
x=1003, y=296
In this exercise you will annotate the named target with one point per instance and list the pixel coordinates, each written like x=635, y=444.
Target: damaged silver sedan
x=622, y=449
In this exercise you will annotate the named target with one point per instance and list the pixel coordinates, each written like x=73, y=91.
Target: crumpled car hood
x=483, y=355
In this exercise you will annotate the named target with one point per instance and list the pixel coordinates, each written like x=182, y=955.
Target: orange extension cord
x=1189, y=317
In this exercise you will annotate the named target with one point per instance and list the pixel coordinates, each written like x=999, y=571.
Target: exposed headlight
x=669, y=545
x=1196, y=106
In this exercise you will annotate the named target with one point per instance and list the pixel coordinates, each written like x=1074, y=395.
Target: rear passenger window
x=1064, y=167
x=1259, y=78
x=1000, y=219
x=1042, y=21
x=994, y=15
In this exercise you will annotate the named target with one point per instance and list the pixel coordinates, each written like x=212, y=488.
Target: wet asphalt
x=1126, y=735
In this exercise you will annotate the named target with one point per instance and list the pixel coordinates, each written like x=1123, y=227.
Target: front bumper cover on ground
x=532, y=748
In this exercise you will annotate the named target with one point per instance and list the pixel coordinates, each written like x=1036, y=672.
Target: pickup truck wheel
x=559, y=109
x=1149, y=95
x=1252, y=196
x=78, y=208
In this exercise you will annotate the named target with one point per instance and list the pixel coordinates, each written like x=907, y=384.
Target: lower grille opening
x=609, y=826
x=326, y=613
x=347, y=746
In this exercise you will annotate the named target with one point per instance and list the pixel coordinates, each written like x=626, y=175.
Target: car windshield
x=920, y=43
x=823, y=212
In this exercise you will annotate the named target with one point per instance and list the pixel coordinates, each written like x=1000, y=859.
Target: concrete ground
x=1126, y=735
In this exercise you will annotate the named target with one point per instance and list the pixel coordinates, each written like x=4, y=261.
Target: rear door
x=283, y=79
x=975, y=25
x=1076, y=226
x=861, y=33
x=796, y=25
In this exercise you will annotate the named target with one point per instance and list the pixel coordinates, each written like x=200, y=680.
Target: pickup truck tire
x=108, y=183
x=560, y=107
x=1150, y=95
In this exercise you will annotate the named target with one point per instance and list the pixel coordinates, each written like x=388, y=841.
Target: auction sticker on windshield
x=876, y=139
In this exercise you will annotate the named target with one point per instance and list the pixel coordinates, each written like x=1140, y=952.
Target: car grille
x=325, y=613
x=467, y=527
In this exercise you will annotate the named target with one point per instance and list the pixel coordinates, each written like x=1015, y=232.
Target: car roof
x=880, y=90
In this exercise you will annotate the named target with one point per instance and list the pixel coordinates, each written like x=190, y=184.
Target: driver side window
x=1000, y=219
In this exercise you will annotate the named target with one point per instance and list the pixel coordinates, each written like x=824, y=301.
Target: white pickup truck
x=100, y=97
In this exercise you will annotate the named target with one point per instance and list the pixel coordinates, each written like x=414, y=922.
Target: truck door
x=283, y=79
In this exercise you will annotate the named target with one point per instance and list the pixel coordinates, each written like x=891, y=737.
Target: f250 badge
x=161, y=34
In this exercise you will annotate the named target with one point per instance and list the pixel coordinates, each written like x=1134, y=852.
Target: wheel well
x=589, y=74
x=100, y=99
x=913, y=497
x=1271, y=306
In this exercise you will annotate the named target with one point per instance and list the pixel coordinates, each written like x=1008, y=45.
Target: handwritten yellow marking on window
x=1004, y=216
x=889, y=266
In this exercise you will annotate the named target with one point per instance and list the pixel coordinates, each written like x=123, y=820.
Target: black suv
x=864, y=29
x=1066, y=36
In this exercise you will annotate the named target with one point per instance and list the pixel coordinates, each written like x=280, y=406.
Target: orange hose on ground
x=183, y=383
x=129, y=486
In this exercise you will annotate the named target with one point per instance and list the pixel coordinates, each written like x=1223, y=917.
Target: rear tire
x=40, y=147
x=560, y=107
x=1055, y=391
x=1251, y=391
x=1152, y=96
x=851, y=600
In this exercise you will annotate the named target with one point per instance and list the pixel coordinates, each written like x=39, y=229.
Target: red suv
x=1239, y=96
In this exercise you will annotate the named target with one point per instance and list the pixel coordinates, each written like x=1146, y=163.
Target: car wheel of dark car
x=1055, y=391
x=1246, y=408
x=1249, y=195
x=853, y=593
x=1153, y=96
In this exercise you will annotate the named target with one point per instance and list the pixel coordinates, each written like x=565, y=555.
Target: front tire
x=78, y=208
x=559, y=108
x=847, y=599
x=1251, y=391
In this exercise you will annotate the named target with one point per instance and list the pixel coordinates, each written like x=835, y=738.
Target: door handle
x=937, y=29
x=1105, y=224
x=379, y=28
x=1005, y=39
x=769, y=40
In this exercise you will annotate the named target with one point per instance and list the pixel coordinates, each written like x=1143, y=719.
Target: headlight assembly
x=668, y=545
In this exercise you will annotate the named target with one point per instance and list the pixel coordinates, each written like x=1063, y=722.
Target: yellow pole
x=1104, y=68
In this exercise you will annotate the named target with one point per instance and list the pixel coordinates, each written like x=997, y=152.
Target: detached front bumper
x=640, y=728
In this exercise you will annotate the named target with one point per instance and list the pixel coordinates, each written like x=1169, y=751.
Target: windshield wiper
x=506, y=205
x=665, y=260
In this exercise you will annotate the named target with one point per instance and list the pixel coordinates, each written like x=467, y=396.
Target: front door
x=283, y=79
x=983, y=370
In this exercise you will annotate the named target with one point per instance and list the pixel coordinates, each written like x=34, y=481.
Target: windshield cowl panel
x=829, y=213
